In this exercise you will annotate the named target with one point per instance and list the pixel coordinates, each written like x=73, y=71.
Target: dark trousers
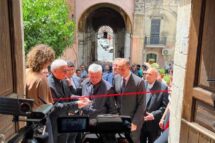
x=135, y=136
x=149, y=135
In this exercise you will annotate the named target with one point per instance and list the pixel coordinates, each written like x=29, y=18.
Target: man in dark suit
x=95, y=86
x=60, y=89
x=131, y=105
x=156, y=103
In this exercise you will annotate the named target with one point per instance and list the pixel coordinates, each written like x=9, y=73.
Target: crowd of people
x=80, y=87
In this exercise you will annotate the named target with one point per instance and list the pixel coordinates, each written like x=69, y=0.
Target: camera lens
x=25, y=107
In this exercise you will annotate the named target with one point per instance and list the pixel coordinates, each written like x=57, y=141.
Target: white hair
x=57, y=64
x=95, y=68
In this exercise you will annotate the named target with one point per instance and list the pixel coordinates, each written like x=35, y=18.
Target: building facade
x=193, y=94
x=143, y=30
x=160, y=31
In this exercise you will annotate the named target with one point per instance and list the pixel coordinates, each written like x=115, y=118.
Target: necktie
x=148, y=95
x=123, y=84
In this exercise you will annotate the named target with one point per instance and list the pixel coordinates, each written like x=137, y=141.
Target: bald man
x=155, y=106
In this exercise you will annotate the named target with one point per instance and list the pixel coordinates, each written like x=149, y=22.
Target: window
x=155, y=31
x=151, y=58
x=105, y=35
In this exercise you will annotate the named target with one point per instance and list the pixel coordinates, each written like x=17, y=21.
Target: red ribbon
x=112, y=95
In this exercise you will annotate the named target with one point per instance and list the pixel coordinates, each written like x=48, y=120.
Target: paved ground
x=104, y=55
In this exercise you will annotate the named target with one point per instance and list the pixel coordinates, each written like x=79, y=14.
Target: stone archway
x=89, y=23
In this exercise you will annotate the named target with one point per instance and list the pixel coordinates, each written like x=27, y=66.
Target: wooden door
x=11, y=58
x=198, y=124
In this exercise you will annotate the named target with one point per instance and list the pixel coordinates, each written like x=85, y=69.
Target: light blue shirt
x=108, y=76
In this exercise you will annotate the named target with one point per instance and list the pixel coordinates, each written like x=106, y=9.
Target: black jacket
x=102, y=104
x=156, y=104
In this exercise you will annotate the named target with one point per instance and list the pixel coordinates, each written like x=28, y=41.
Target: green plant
x=167, y=78
x=47, y=22
x=161, y=71
x=155, y=65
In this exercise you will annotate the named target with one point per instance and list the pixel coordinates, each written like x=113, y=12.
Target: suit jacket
x=103, y=105
x=156, y=104
x=131, y=105
x=59, y=88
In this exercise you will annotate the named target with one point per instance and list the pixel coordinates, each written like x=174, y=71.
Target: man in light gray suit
x=156, y=103
x=132, y=105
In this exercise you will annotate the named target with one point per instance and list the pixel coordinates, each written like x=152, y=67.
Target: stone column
x=180, y=61
x=92, y=53
x=119, y=43
x=138, y=33
x=114, y=46
x=87, y=49
x=80, y=48
x=127, y=45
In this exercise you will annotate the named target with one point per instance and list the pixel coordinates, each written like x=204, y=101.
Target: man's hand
x=133, y=127
x=68, y=80
x=161, y=124
x=83, y=101
x=149, y=117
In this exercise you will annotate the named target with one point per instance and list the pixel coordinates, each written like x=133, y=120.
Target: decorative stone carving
x=139, y=6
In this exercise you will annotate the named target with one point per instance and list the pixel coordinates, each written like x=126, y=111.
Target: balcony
x=155, y=41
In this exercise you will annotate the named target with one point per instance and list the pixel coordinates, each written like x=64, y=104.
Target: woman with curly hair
x=38, y=59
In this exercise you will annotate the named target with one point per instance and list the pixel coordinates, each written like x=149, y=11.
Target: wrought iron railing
x=155, y=40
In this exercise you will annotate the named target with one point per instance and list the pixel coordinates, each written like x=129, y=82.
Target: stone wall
x=180, y=60
x=125, y=5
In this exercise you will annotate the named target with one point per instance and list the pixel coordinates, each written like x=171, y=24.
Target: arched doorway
x=92, y=20
x=105, y=44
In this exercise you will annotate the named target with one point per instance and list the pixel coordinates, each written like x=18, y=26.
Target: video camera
x=104, y=129
x=23, y=107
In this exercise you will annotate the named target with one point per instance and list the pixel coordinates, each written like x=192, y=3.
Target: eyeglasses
x=64, y=70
